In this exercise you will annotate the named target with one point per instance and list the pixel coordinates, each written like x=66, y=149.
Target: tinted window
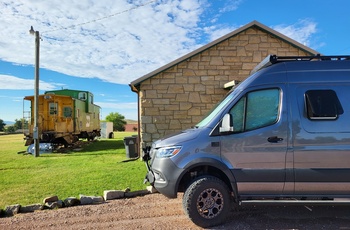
x=322, y=104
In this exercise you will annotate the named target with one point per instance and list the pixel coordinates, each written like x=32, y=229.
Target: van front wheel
x=207, y=201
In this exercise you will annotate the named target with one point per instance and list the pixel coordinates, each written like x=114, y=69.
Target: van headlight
x=168, y=151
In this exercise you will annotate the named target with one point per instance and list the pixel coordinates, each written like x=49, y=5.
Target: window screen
x=255, y=110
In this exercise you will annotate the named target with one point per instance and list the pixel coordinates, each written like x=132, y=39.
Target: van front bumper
x=163, y=174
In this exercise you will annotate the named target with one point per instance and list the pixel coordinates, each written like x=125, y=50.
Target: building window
x=322, y=105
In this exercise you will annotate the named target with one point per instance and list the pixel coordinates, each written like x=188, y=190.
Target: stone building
x=179, y=94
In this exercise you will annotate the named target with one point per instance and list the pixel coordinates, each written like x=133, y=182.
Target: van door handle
x=274, y=139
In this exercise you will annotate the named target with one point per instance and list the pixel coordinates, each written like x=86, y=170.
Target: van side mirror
x=226, y=124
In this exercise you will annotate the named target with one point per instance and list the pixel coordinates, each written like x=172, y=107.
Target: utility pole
x=36, y=91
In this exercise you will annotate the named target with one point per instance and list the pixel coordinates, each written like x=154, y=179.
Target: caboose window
x=82, y=96
x=91, y=99
x=53, y=108
x=67, y=112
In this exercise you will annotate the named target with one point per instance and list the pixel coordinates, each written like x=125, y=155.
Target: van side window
x=255, y=110
x=237, y=115
x=322, y=105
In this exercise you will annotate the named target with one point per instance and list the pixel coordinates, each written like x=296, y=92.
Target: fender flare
x=213, y=162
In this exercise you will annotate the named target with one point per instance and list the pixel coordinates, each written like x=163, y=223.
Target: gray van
x=282, y=133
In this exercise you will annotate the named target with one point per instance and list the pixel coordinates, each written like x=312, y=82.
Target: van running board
x=336, y=201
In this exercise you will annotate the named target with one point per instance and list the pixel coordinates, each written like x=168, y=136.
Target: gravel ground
x=158, y=212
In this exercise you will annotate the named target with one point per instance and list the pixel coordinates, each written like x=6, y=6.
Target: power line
x=100, y=19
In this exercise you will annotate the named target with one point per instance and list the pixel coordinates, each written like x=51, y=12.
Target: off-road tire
x=207, y=201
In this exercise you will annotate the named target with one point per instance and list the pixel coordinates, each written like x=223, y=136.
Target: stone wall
x=179, y=97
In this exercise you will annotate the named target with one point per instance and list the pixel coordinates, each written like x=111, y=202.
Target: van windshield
x=217, y=108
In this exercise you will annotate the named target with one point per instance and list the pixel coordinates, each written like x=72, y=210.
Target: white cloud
x=128, y=109
x=301, y=31
x=12, y=98
x=124, y=43
x=16, y=83
x=215, y=32
x=109, y=105
x=230, y=5
x=115, y=41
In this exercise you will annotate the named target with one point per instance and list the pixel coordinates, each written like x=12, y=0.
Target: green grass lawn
x=99, y=166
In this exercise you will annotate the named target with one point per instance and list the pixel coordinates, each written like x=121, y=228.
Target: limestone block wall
x=181, y=96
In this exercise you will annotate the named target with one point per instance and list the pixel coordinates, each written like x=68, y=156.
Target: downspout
x=135, y=90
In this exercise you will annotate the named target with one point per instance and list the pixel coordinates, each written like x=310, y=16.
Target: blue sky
x=101, y=46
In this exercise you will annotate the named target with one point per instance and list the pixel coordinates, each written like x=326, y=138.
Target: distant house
x=131, y=127
x=178, y=95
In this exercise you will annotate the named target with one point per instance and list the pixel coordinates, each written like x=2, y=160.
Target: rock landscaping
x=53, y=202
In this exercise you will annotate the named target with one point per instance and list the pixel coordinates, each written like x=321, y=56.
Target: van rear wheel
x=207, y=201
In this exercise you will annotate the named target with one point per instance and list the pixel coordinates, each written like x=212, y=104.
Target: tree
x=118, y=121
x=10, y=129
x=21, y=124
x=2, y=125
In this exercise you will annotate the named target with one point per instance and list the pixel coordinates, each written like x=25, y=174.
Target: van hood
x=177, y=138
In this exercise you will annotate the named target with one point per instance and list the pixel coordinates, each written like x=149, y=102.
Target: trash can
x=137, y=149
x=130, y=147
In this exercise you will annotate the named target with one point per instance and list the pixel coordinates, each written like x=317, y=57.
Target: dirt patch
x=148, y=212
x=158, y=212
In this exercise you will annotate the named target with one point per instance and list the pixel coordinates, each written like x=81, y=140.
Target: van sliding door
x=322, y=139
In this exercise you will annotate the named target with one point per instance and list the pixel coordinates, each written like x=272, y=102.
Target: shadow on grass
x=99, y=147
x=104, y=145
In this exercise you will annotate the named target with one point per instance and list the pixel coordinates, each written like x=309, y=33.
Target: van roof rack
x=273, y=59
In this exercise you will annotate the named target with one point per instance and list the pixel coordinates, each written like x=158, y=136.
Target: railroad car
x=64, y=117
